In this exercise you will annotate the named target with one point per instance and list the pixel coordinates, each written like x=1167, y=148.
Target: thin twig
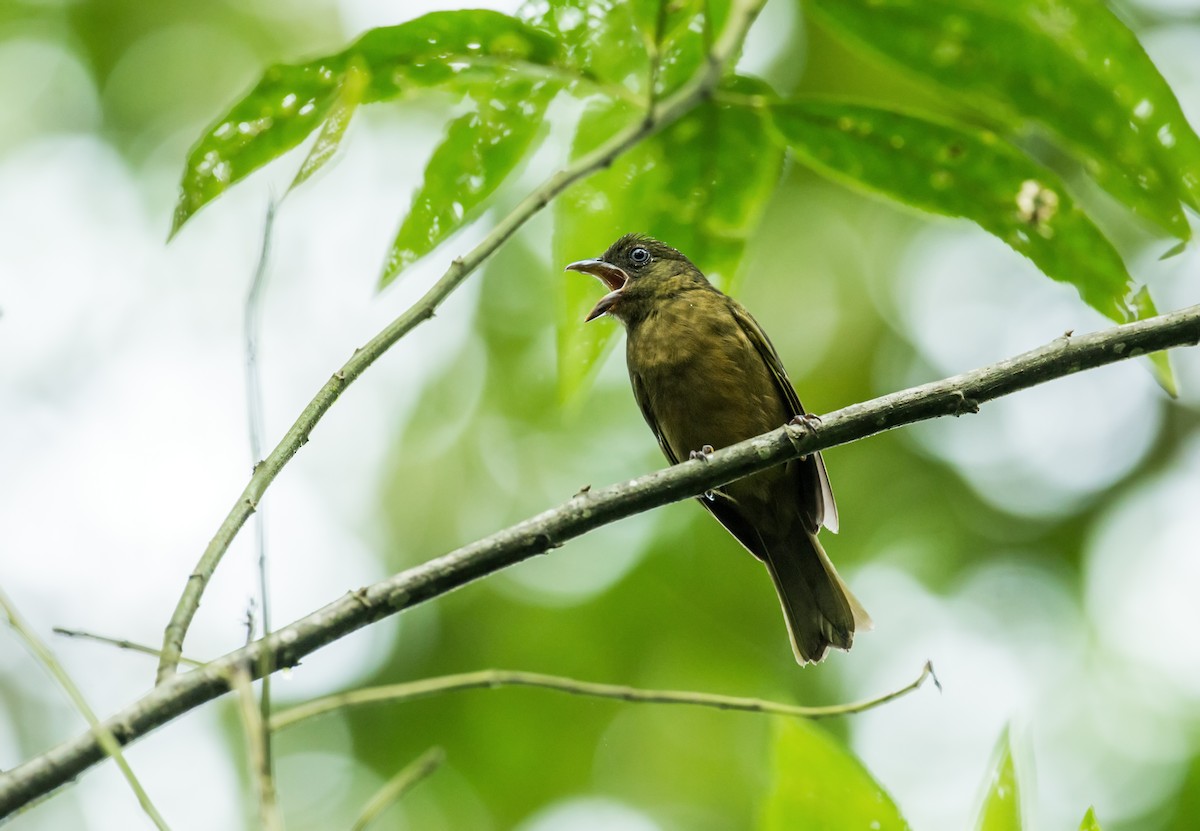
x=132, y=646
x=660, y=115
x=251, y=327
x=494, y=678
x=101, y=733
x=412, y=774
x=270, y=818
x=588, y=510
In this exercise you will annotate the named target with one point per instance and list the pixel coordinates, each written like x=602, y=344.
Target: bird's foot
x=807, y=422
x=703, y=454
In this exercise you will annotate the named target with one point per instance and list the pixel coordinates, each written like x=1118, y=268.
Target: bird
x=705, y=375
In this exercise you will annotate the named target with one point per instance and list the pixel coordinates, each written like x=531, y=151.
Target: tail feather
x=821, y=612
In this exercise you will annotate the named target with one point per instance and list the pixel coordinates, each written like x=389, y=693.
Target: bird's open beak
x=612, y=276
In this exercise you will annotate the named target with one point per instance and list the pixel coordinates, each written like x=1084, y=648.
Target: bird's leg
x=703, y=454
x=807, y=422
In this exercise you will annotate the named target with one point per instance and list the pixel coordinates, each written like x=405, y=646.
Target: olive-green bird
x=706, y=376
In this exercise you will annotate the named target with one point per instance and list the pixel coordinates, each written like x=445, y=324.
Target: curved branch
x=494, y=678
x=660, y=115
x=586, y=511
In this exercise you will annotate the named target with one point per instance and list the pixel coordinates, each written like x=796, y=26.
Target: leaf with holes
x=352, y=87
x=1068, y=65
x=480, y=149
x=447, y=50
x=599, y=38
x=955, y=170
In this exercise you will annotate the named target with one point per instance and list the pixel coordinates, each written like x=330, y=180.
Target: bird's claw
x=703, y=454
x=807, y=422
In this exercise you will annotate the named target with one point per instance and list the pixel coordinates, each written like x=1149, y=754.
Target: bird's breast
x=703, y=381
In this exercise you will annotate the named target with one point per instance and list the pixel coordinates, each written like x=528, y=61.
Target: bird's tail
x=820, y=610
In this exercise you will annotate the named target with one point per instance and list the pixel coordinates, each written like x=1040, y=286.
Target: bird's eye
x=640, y=256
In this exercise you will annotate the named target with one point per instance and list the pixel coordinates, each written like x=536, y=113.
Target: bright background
x=1044, y=554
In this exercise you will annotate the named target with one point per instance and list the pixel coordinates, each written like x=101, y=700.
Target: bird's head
x=639, y=273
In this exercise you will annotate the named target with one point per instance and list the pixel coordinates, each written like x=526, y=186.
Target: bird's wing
x=718, y=503
x=823, y=509
x=643, y=402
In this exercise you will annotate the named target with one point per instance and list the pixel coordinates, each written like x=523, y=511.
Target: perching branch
x=660, y=115
x=584, y=512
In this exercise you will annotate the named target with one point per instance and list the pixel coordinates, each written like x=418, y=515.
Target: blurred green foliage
x=668, y=600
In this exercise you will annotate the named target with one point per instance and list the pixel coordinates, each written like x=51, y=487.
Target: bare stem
x=660, y=115
x=119, y=643
x=101, y=734
x=959, y=395
x=412, y=774
x=251, y=328
x=270, y=818
x=494, y=678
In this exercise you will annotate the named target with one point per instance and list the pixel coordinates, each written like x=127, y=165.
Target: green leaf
x=442, y=49
x=701, y=186
x=599, y=38
x=353, y=85
x=478, y=152
x=679, y=36
x=1001, y=809
x=587, y=219
x=1090, y=823
x=820, y=786
x=722, y=170
x=955, y=170
x=1069, y=65
x=1160, y=362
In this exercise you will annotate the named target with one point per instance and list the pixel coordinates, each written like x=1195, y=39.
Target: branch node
x=544, y=542
x=928, y=672
x=964, y=404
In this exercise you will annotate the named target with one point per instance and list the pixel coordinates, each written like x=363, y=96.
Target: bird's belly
x=705, y=399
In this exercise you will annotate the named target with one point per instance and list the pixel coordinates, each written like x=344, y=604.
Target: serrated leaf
x=1069, y=65
x=1089, y=822
x=480, y=149
x=350, y=93
x=442, y=49
x=819, y=785
x=1001, y=809
x=701, y=186
x=961, y=171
